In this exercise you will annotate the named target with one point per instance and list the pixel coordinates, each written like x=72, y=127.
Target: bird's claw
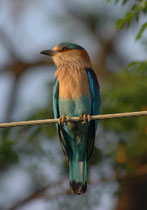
x=84, y=118
x=63, y=120
x=88, y=117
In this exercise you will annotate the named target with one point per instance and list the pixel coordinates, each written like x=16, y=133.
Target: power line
x=73, y=119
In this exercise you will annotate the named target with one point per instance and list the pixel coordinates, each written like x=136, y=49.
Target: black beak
x=48, y=52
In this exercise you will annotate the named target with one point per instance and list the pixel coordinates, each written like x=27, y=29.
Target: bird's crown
x=69, y=46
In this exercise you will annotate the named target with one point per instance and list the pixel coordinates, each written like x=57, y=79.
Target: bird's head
x=68, y=53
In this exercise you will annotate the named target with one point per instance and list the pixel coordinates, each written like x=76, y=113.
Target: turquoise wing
x=95, y=108
x=62, y=134
x=55, y=100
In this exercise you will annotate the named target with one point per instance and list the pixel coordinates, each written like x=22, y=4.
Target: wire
x=72, y=119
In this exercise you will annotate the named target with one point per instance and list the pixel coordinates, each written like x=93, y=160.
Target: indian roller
x=76, y=93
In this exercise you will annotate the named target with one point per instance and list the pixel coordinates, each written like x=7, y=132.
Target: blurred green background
x=33, y=170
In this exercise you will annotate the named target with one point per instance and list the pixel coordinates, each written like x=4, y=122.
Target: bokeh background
x=33, y=170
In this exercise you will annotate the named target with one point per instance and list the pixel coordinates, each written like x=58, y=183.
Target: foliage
x=125, y=93
x=143, y=27
x=8, y=154
x=138, y=7
x=141, y=66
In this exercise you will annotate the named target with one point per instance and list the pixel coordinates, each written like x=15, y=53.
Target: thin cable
x=72, y=119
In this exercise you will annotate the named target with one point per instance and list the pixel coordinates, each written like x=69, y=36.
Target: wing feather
x=62, y=134
x=95, y=108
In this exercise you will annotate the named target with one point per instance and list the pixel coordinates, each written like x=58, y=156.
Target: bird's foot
x=84, y=118
x=63, y=120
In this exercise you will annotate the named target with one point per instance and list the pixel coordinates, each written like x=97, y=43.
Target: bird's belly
x=76, y=107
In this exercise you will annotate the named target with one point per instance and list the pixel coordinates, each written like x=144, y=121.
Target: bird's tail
x=78, y=176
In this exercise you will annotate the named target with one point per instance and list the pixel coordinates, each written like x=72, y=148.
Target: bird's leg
x=63, y=120
x=67, y=119
x=84, y=118
x=88, y=117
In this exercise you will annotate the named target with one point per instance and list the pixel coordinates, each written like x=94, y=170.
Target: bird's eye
x=65, y=49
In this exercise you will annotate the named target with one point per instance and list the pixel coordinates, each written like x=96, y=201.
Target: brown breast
x=73, y=85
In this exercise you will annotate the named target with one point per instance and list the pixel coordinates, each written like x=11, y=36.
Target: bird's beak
x=48, y=52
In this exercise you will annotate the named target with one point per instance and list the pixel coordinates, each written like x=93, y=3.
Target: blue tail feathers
x=78, y=176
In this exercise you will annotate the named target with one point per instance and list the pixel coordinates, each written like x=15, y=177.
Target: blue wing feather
x=95, y=110
x=62, y=134
x=95, y=93
x=55, y=99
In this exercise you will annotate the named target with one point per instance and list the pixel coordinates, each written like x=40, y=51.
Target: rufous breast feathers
x=73, y=85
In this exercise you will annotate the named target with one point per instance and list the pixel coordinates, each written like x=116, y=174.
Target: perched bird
x=76, y=93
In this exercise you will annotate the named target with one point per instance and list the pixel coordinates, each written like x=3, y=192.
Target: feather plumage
x=76, y=92
x=77, y=140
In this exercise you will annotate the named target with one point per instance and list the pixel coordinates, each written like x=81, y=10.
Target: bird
x=76, y=93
